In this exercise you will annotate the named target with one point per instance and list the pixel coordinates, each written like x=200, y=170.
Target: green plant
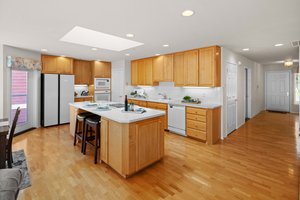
x=187, y=98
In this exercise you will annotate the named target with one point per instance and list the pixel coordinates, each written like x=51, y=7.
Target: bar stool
x=94, y=140
x=80, y=118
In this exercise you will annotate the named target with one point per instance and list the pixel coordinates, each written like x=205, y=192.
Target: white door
x=21, y=95
x=231, y=95
x=278, y=90
x=118, y=84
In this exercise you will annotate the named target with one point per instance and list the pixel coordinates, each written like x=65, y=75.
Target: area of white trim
x=91, y=38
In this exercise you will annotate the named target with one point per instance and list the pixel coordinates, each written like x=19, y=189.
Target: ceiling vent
x=295, y=43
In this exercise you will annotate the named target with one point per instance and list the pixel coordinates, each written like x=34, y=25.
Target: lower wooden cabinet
x=128, y=148
x=203, y=124
x=153, y=105
x=83, y=99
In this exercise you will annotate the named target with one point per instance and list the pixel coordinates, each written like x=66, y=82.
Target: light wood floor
x=258, y=161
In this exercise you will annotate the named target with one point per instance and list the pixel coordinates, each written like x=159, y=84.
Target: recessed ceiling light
x=94, y=49
x=127, y=54
x=278, y=45
x=44, y=50
x=246, y=49
x=157, y=54
x=187, y=13
x=165, y=45
x=130, y=35
x=96, y=39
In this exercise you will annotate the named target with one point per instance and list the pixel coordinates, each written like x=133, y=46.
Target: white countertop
x=178, y=102
x=116, y=114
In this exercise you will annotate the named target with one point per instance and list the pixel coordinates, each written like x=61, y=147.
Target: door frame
x=289, y=71
x=248, y=92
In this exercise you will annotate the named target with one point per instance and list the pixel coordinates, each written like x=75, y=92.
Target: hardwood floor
x=258, y=161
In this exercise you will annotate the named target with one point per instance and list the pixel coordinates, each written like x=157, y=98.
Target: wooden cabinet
x=81, y=99
x=128, y=148
x=203, y=124
x=179, y=69
x=134, y=73
x=191, y=68
x=163, y=68
x=210, y=66
x=83, y=72
x=141, y=72
x=101, y=69
x=138, y=102
x=56, y=65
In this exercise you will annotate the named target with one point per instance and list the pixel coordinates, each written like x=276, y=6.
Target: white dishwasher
x=176, y=119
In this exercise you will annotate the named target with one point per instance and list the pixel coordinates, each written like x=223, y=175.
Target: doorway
x=118, y=86
x=21, y=95
x=231, y=97
x=247, y=94
x=278, y=91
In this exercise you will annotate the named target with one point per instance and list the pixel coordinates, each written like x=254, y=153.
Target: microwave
x=102, y=83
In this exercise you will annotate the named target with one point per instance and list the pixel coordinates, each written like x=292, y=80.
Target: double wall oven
x=102, y=89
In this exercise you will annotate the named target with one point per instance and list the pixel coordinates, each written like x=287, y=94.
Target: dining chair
x=10, y=138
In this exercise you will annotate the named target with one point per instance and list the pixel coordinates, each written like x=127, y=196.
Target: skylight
x=91, y=38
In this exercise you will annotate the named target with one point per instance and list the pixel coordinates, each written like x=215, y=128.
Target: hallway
x=257, y=161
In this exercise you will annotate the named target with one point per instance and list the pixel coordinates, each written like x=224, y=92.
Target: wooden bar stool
x=94, y=140
x=80, y=118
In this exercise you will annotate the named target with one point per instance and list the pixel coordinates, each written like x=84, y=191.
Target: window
x=19, y=90
x=297, y=88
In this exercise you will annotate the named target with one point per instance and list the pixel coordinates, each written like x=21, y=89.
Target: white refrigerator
x=57, y=92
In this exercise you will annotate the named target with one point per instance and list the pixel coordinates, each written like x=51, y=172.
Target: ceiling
x=234, y=24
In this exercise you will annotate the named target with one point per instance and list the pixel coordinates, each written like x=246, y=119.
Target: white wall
x=257, y=86
x=13, y=51
x=279, y=67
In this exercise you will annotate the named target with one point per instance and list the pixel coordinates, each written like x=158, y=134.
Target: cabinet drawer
x=200, y=118
x=143, y=103
x=196, y=133
x=197, y=111
x=196, y=125
x=160, y=106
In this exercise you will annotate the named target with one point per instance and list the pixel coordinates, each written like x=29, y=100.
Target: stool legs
x=76, y=129
x=97, y=143
x=84, y=138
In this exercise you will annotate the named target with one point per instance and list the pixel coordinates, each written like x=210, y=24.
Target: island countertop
x=116, y=114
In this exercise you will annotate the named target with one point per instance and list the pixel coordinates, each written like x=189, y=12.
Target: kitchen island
x=129, y=141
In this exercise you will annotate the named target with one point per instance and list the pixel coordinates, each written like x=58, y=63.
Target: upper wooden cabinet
x=57, y=65
x=83, y=72
x=191, y=62
x=142, y=72
x=179, y=69
x=210, y=66
x=101, y=69
x=134, y=72
x=163, y=68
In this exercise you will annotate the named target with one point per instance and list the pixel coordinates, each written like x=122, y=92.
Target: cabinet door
x=102, y=69
x=168, y=68
x=77, y=69
x=86, y=72
x=179, y=69
x=209, y=66
x=49, y=64
x=64, y=65
x=141, y=72
x=134, y=73
x=191, y=68
x=148, y=71
x=158, y=68
x=148, y=134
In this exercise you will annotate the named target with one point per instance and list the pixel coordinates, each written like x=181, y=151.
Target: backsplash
x=79, y=88
x=206, y=95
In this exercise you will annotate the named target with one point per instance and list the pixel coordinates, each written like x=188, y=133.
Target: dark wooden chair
x=78, y=135
x=10, y=139
x=94, y=140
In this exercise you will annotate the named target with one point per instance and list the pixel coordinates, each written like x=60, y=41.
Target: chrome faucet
x=164, y=95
